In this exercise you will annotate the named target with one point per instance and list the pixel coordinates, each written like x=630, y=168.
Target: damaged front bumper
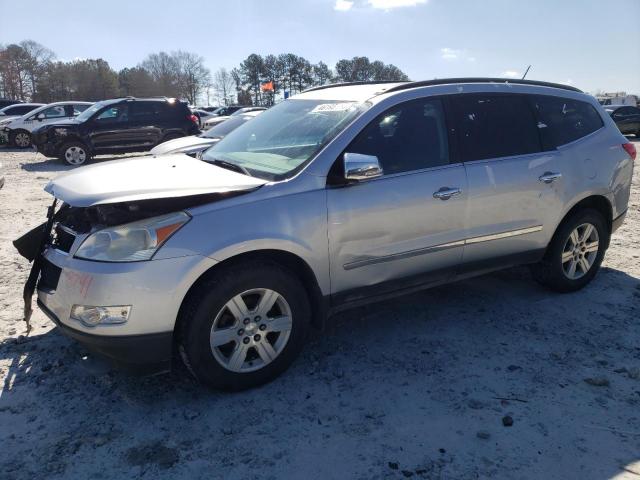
x=154, y=289
x=151, y=290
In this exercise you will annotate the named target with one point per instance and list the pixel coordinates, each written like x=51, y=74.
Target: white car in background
x=19, y=129
x=10, y=112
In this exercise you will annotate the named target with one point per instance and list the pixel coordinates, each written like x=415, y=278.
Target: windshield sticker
x=332, y=107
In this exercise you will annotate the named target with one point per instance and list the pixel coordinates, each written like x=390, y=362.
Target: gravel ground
x=492, y=377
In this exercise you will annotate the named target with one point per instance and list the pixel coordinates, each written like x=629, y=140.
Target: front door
x=109, y=129
x=405, y=228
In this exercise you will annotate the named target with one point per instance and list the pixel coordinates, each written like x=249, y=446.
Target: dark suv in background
x=116, y=126
x=627, y=118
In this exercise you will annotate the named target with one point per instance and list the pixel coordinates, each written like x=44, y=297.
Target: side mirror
x=359, y=167
x=40, y=116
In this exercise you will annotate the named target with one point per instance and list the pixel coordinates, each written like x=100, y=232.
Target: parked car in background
x=222, y=111
x=19, y=129
x=202, y=115
x=10, y=112
x=197, y=143
x=18, y=109
x=213, y=121
x=208, y=109
x=5, y=102
x=627, y=118
x=116, y=126
x=336, y=197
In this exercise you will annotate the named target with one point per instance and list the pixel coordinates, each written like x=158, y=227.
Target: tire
x=74, y=153
x=240, y=364
x=20, y=139
x=558, y=276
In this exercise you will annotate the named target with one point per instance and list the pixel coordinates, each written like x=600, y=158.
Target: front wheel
x=244, y=327
x=20, y=138
x=575, y=252
x=74, y=153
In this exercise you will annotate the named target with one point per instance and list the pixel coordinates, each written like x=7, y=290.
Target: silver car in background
x=339, y=196
x=195, y=144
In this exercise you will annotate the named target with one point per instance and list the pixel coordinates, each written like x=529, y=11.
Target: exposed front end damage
x=66, y=226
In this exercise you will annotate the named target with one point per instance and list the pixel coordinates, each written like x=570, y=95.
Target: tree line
x=31, y=72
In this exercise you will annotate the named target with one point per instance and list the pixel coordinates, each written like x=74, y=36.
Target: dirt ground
x=417, y=387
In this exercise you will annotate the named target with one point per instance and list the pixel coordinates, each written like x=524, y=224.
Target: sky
x=593, y=45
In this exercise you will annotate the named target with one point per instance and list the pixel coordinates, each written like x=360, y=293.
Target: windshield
x=88, y=113
x=278, y=142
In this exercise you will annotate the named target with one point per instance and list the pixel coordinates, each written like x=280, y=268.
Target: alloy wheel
x=251, y=330
x=580, y=251
x=75, y=155
x=22, y=140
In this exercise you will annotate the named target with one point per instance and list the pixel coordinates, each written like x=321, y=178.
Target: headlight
x=132, y=242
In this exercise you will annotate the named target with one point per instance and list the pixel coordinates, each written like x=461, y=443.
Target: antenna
x=525, y=73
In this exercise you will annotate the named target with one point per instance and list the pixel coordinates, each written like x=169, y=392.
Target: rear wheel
x=20, y=138
x=245, y=326
x=575, y=252
x=74, y=153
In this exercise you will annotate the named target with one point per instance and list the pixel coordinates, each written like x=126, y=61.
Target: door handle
x=549, y=177
x=445, y=193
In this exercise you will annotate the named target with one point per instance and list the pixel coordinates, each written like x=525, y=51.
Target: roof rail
x=346, y=84
x=448, y=81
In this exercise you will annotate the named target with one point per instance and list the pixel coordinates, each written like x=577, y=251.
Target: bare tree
x=36, y=59
x=224, y=86
x=193, y=76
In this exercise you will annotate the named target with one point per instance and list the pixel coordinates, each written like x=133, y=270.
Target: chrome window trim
x=437, y=248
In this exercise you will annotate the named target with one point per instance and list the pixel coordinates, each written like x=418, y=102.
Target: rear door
x=145, y=123
x=391, y=232
x=514, y=187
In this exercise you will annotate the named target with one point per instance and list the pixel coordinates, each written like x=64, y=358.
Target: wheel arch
x=292, y=262
x=599, y=203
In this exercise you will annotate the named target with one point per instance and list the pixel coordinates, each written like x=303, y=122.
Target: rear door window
x=409, y=136
x=494, y=126
x=563, y=120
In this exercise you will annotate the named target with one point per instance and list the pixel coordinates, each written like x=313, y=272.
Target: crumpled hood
x=183, y=144
x=144, y=178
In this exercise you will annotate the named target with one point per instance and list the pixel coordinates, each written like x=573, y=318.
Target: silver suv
x=341, y=195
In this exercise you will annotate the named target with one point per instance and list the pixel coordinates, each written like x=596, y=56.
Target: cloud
x=389, y=4
x=511, y=74
x=343, y=5
x=449, y=53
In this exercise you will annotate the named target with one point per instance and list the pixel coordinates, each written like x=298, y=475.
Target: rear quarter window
x=563, y=120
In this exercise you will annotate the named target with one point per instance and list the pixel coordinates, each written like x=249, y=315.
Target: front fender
x=293, y=223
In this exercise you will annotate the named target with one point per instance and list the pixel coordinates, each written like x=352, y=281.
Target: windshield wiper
x=230, y=166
